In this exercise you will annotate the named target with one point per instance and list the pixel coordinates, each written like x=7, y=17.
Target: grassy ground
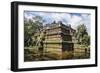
x=81, y=51
x=33, y=54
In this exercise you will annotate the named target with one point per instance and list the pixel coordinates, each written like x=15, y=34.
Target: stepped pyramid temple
x=57, y=41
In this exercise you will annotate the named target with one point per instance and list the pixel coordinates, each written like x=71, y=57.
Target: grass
x=58, y=54
x=67, y=55
x=33, y=54
x=80, y=46
x=81, y=51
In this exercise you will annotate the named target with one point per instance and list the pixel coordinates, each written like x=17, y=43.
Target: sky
x=74, y=19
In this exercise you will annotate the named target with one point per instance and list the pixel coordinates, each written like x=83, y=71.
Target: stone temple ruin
x=55, y=41
x=58, y=41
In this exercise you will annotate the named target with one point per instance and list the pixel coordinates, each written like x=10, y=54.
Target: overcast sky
x=67, y=18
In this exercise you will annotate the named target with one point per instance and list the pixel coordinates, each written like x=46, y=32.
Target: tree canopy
x=31, y=26
x=82, y=35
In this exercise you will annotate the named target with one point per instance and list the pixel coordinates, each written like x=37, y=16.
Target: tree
x=31, y=26
x=82, y=35
x=86, y=40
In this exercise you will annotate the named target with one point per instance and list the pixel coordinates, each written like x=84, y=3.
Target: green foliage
x=31, y=26
x=86, y=40
x=82, y=35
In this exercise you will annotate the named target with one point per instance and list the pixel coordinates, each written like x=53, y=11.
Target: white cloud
x=66, y=18
x=73, y=19
x=57, y=16
x=86, y=20
x=28, y=15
